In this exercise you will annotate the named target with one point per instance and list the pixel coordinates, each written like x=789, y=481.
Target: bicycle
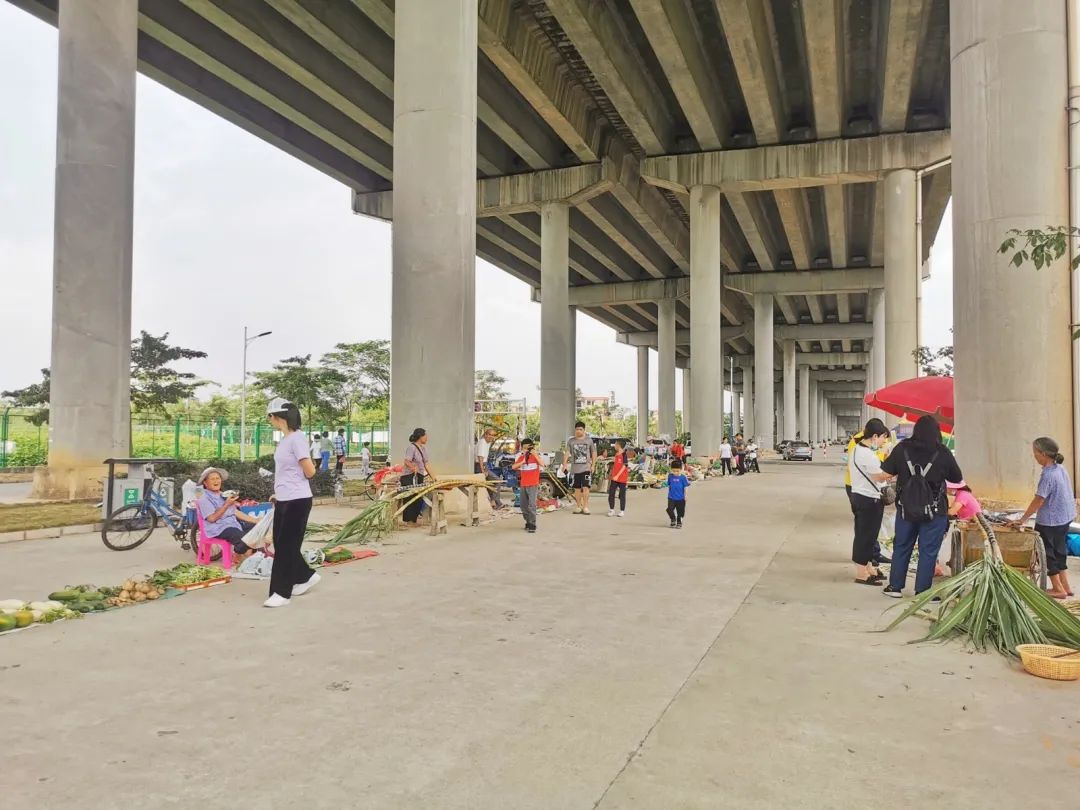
x=129, y=526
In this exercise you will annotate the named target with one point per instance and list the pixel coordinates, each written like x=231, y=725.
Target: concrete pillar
x=778, y=398
x=642, y=395
x=1011, y=325
x=790, y=417
x=876, y=379
x=736, y=413
x=763, y=368
x=901, y=277
x=434, y=232
x=749, y=419
x=804, y=403
x=686, y=400
x=557, y=349
x=89, y=407
x=665, y=350
x=706, y=385
x=815, y=398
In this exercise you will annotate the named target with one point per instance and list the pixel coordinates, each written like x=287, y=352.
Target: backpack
x=919, y=501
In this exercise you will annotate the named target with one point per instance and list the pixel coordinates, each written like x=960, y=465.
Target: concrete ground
x=600, y=663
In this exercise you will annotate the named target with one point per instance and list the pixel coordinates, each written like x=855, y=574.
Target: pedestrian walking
x=740, y=454
x=676, y=501
x=725, y=457
x=528, y=466
x=1054, y=509
x=316, y=450
x=339, y=451
x=290, y=575
x=922, y=466
x=867, y=505
x=365, y=459
x=417, y=469
x=581, y=457
x=326, y=447
x=620, y=476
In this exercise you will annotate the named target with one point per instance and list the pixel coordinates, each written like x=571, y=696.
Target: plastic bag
x=888, y=528
x=258, y=536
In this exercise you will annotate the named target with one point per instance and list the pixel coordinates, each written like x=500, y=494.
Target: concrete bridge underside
x=718, y=178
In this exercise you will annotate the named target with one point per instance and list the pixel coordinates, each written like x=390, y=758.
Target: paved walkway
x=600, y=663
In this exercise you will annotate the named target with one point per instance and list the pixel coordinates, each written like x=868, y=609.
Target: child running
x=620, y=475
x=528, y=466
x=676, y=501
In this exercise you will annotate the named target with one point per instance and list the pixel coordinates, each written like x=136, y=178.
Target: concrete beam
x=826, y=331
x=807, y=282
x=819, y=163
x=937, y=189
x=907, y=22
x=750, y=42
x=600, y=37
x=751, y=219
x=528, y=60
x=626, y=292
x=836, y=217
x=823, y=22
x=833, y=358
x=514, y=193
x=795, y=218
x=676, y=40
x=649, y=209
x=852, y=387
x=837, y=374
x=682, y=336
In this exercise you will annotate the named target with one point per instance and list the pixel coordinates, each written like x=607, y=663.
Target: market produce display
x=186, y=574
x=131, y=593
x=16, y=614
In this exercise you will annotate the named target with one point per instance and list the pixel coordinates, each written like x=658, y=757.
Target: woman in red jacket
x=620, y=474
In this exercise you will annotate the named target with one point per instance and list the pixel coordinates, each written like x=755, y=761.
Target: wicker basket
x=1016, y=546
x=1050, y=661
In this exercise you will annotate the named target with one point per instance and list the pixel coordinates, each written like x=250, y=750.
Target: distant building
x=605, y=403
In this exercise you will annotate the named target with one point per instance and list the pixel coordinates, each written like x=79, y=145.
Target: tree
x=154, y=384
x=33, y=396
x=364, y=370
x=489, y=384
x=1042, y=247
x=935, y=362
x=310, y=388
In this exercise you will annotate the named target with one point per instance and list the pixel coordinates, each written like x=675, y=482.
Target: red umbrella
x=911, y=399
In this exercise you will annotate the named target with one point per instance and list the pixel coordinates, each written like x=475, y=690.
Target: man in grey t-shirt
x=581, y=457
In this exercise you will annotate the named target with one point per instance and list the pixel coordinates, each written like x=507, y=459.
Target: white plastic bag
x=257, y=536
x=888, y=527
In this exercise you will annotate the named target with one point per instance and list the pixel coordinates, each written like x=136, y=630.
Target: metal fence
x=24, y=444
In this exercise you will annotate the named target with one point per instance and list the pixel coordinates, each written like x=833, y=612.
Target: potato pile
x=133, y=592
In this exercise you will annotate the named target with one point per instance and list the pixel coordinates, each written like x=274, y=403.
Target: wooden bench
x=438, y=508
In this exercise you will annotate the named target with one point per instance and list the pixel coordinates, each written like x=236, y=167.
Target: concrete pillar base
x=68, y=483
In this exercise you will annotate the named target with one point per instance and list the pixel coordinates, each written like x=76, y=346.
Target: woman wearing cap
x=290, y=575
x=962, y=501
x=220, y=515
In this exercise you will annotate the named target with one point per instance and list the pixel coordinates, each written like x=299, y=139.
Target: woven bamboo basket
x=1050, y=661
x=1016, y=546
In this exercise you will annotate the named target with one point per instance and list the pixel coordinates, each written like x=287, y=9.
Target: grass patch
x=23, y=517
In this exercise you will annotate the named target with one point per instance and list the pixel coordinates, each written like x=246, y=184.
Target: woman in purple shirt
x=1054, y=508
x=417, y=469
x=290, y=575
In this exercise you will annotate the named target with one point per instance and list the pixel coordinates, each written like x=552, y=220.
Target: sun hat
x=278, y=405
x=223, y=473
x=951, y=485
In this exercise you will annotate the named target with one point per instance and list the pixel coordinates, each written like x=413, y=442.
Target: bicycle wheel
x=128, y=527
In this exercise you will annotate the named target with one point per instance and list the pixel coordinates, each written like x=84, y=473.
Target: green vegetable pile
x=338, y=555
x=186, y=574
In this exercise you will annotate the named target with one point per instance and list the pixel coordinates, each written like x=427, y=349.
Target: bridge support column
x=790, y=417
x=686, y=400
x=665, y=350
x=736, y=413
x=901, y=277
x=815, y=398
x=557, y=333
x=749, y=421
x=804, y=403
x=876, y=379
x=89, y=407
x=642, y=396
x=434, y=233
x=706, y=286
x=1009, y=130
x=763, y=368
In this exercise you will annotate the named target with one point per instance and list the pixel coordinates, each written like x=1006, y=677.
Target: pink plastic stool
x=206, y=545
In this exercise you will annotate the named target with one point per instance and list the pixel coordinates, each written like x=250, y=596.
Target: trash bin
x=128, y=490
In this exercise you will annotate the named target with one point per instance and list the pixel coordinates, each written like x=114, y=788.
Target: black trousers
x=1056, y=544
x=877, y=543
x=612, y=488
x=290, y=523
x=340, y=465
x=413, y=510
x=676, y=510
x=236, y=537
x=725, y=466
x=868, y=513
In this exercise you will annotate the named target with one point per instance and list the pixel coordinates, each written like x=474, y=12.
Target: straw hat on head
x=223, y=473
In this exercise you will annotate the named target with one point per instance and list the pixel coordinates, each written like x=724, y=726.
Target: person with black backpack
x=921, y=465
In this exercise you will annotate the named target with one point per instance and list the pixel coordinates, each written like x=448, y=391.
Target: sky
x=228, y=224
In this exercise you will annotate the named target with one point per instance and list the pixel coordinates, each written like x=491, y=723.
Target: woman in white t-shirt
x=725, y=457
x=866, y=504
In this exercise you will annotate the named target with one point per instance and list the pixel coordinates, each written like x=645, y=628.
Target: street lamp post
x=243, y=393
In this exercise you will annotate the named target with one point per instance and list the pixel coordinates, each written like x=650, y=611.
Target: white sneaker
x=611, y=513
x=586, y=512
x=276, y=600
x=622, y=514
x=304, y=587
x=577, y=510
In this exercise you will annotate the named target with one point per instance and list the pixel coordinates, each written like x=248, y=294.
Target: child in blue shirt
x=677, y=483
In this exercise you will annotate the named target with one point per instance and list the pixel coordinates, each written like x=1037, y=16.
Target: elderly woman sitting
x=220, y=515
